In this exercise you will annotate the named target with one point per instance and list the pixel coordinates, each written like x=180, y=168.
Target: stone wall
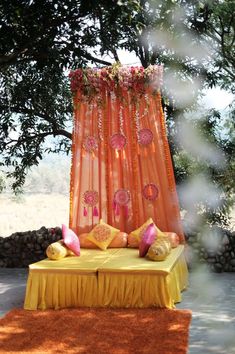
x=216, y=247
x=23, y=248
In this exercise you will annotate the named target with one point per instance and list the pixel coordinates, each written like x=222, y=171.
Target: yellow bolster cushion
x=57, y=250
x=159, y=250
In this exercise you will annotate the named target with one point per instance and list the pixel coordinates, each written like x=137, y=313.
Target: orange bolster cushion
x=119, y=241
x=173, y=238
x=133, y=242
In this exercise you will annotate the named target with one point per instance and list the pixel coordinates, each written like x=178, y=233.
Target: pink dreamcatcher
x=90, y=199
x=150, y=192
x=121, y=199
x=90, y=144
x=118, y=141
x=145, y=136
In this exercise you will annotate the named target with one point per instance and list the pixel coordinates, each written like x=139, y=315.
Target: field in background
x=45, y=201
x=31, y=212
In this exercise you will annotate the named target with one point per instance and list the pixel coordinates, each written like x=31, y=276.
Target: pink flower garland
x=91, y=82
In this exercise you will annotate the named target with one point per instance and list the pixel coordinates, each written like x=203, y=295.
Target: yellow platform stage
x=113, y=278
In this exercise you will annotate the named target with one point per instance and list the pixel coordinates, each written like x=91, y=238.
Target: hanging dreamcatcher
x=145, y=136
x=150, y=192
x=90, y=144
x=90, y=199
x=121, y=199
x=118, y=141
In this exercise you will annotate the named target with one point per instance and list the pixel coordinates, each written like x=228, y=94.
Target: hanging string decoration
x=100, y=124
x=150, y=192
x=121, y=120
x=137, y=123
x=121, y=199
x=90, y=199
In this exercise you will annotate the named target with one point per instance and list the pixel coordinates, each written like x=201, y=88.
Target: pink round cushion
x=147, y=240
x=173, y=238
x=119, y=241
x=71, y=240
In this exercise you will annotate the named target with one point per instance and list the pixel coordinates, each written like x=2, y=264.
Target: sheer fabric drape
x=107, y=170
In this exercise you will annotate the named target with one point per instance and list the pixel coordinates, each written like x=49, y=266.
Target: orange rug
x=95, y=331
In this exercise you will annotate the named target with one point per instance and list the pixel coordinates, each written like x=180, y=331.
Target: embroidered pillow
x=138, y=233
x=119, y=241
x=147, y=240
x=71, y=240
x=102, y=235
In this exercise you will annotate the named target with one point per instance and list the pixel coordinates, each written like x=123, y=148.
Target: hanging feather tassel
x=153, y=147
x=114, y=205
x=84, y=211
x=95, y=211
x=117, y=210
x=126, y=211
x=117, y=153
x=124, y=155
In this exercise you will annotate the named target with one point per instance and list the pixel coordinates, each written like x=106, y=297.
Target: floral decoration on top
x=93, y=81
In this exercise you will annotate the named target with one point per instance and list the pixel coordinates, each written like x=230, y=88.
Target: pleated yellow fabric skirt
x=115, y=278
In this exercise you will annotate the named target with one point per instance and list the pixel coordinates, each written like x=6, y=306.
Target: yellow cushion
x=102, y=235
x=138, y=233
x=159, y=250
x=56, y=250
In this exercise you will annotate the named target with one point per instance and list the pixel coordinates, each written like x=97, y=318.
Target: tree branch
x=41, y=136
x=141, y=53
x=97, y=60
x=115, y=55
x=56, y=130
x=7, y=59
x=64, y=133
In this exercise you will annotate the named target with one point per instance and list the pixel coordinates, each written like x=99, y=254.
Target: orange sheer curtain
x=107, y=170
